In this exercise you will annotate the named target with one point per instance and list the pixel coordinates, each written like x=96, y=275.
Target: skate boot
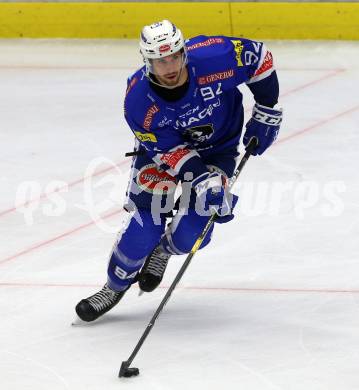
x=96, y=305
x=152, y=271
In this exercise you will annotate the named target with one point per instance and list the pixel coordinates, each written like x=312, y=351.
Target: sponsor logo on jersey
x=187, y=122
x=190, y=112
x=145, y=137
x=155, y=181
x=164, y=122
x=149, y=116
x=238, y=48
x=211, y=78
x=172, y=158
x=164, y=48
x=266, y=65
x=208, y=42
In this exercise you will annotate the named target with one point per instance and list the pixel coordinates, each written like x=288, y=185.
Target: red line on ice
x=71, y=184
x=333, y=73
x=318, y=124
x=196, y=288
x=316, y=81
x=49, y=241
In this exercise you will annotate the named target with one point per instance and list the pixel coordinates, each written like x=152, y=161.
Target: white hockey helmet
x=159, y=40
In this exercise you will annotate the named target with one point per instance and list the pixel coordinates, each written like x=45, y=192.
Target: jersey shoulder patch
x=258, y=60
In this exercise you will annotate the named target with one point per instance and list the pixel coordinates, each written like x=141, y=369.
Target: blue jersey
x=209, y=117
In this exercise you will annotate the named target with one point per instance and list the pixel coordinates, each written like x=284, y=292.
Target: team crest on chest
x=199, y=133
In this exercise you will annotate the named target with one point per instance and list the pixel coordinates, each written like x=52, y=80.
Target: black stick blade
x=127, y=372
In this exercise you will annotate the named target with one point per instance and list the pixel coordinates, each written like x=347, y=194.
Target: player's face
x=170, y=70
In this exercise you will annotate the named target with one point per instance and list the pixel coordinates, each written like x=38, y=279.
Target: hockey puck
x=128, y=372
x=133, y=371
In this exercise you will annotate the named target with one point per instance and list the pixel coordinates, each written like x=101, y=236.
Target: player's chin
x=171, y=79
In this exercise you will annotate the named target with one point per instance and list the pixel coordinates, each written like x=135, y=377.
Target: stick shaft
x=185, y=265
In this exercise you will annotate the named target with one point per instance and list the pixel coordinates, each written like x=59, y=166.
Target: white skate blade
x=78, y=322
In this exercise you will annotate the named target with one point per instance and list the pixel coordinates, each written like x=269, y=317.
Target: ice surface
x=272, y=303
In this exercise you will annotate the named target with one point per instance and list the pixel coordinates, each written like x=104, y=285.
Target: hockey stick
x=126, y=370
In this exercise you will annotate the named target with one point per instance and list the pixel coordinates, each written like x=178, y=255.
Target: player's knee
x=184, y=232
x=136, y=240
x=184, y=242
x=140, y=235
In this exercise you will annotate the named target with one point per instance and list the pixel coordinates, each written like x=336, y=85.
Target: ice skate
x=152, y=271
x=96, y=305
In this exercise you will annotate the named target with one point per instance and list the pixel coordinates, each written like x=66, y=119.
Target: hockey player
x=186, y=113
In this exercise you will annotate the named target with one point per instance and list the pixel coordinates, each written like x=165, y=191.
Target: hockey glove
x=214, y=196
x=264, y=125
x=230, y=216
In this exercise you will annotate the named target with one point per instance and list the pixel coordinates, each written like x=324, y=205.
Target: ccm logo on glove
x=264, y=125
